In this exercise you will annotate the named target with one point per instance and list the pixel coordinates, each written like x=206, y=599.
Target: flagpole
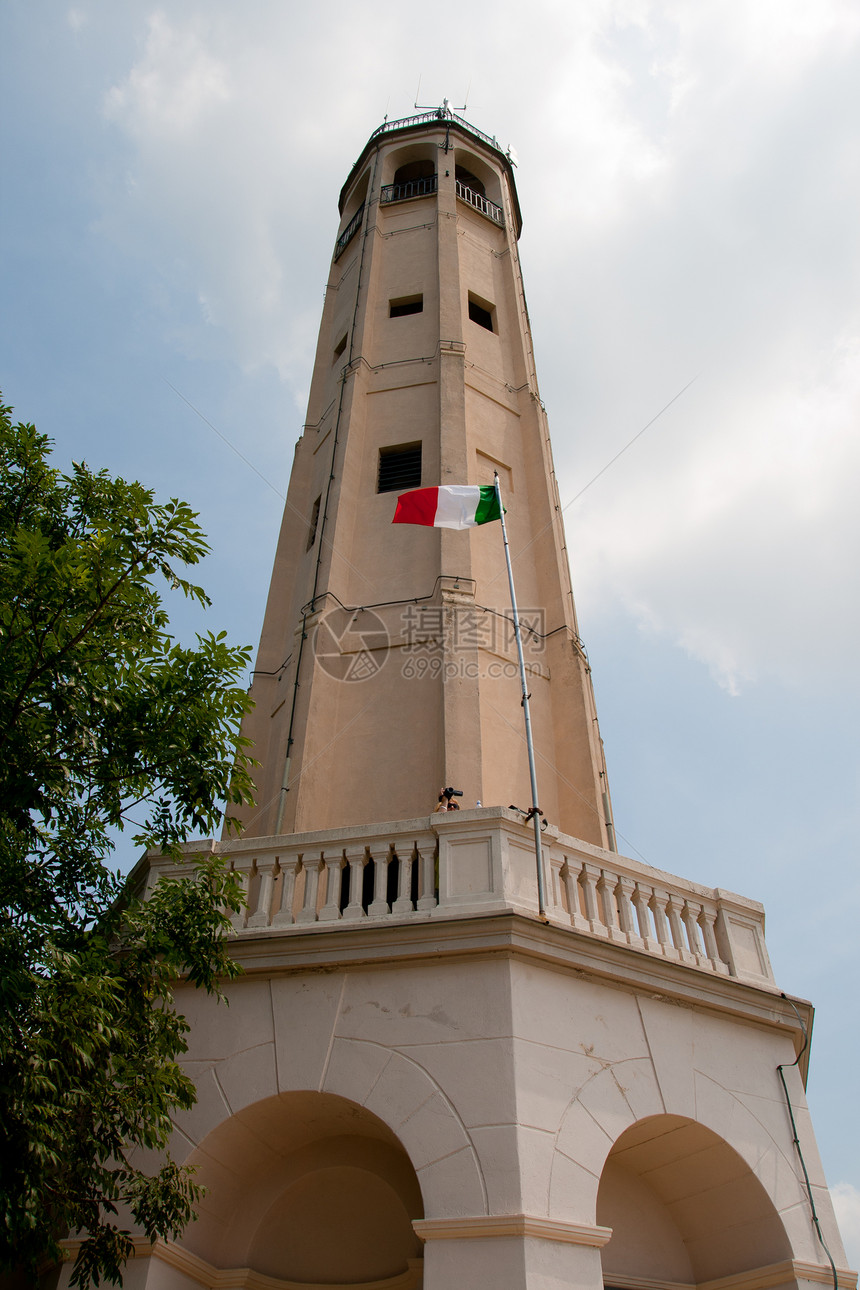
x=535, y=812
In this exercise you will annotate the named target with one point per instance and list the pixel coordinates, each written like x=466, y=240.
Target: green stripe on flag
x=488, y=506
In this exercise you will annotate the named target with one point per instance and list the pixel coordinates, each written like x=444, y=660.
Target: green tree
x=104, y=721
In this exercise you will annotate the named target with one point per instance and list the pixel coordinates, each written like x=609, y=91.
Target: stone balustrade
x=482, y=861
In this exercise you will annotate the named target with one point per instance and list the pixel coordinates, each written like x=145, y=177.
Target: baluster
x=356, y=861
x=556, y=904
x=238, y=917
x=403, y=903
x=333, y=869
x=673, y=909
x=289, y=868
x=626, y=887
x=313, y=867
x=570, y=875
x=657, y=904
x=588, y=879
x=707, y=921
x=641, y=897
x=379, y=905
x=427, y=860
x=690, y=914
x=606, y=890
x=263, y=913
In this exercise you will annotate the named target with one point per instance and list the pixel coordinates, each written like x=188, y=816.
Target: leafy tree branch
x=101, y=712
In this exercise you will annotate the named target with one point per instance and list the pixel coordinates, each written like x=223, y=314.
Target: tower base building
x=423, y=1079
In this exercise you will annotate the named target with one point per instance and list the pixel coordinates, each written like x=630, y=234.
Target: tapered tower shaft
x=387, y=664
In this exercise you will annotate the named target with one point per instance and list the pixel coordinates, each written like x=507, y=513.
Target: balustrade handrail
x=435, y=866
x=480, y=203
x=440, y=115
x=406, y=189
x=349, y=232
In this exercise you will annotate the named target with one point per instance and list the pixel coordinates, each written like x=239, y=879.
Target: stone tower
x=421, y=1080
x=387, y=665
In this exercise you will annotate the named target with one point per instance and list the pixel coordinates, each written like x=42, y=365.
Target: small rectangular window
x=406, y=305
x=340, y=346
x=399, y=468
x=481, y=312
x=315, y=517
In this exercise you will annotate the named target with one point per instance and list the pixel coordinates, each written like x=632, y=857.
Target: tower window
x=399, y=468
x=315, y=519
x=481, y=312
x=405, y=305
x=340, y=346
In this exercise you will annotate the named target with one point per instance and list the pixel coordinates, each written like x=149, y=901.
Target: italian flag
x=451, y=506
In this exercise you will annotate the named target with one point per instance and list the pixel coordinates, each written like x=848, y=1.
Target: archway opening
x=306, y=1187
x=684, y=1207
x=414, y=170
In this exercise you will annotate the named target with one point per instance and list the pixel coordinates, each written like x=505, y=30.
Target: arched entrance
x=310, y=1188
x=684, y=1207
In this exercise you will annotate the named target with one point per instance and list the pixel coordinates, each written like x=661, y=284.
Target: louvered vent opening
x=399, y=468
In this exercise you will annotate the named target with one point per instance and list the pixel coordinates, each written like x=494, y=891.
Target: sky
x=689, y=176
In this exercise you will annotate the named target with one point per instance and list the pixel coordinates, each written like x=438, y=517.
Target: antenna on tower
x=444, y=110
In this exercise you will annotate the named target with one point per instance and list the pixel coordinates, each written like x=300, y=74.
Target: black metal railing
x=439, y=114
x=402, y=192
x=481, y=203
x=349, y=232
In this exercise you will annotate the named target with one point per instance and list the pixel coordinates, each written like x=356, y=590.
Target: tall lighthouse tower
x=427, y=1076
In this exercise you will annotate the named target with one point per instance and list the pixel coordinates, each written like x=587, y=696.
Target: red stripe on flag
x=417, y=507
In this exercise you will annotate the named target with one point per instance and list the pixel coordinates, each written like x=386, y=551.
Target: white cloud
x=730, y=527
x=174, y=87
x=740, y=544
x=846, y=1202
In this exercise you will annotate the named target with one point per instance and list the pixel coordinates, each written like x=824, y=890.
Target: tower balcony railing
x=403, y=192
x=349, y=232
x=439, y=114
x=481, y=203
x=466, y=863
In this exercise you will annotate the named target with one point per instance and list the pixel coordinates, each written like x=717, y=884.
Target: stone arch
x=616, y=1098
x=248, y=1055
x=355, y=197
x=307, y=1187
x=398, y=1090
x=416, y=160
x=469, y=167
x=684, y=1206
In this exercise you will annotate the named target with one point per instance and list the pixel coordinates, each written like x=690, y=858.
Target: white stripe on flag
x=456, y=506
